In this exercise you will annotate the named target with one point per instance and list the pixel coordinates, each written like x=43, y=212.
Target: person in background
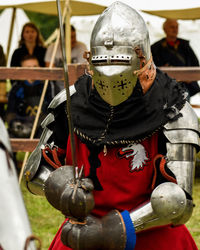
x=23, y=101
x=77, y=51
x=131, y=184
x=174, y=51
x=2, y=85
x=31, y=43
x=2, y=57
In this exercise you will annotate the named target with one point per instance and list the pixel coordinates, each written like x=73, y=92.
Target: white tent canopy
x=181, y=9
x=184, y=14
x=5, y=23
x=78, y=8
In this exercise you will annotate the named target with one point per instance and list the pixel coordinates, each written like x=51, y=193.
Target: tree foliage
x=46, y=23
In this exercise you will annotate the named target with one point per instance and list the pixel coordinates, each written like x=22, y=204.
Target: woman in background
x=31, y=43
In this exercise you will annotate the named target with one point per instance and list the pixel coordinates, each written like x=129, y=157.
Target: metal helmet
x=119, y=43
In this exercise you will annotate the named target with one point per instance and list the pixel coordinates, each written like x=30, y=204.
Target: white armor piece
x=34, y=174
x=14, y=223
x=170, y=203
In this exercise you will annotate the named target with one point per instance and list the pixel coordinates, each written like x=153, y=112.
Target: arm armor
x=171, y=203
x=37, y=170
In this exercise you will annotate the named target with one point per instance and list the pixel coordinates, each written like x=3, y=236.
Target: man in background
x=174, y=51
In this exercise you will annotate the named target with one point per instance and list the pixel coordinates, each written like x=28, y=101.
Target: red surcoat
x=125, y=175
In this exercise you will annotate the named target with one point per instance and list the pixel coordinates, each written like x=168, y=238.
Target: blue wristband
x=130, y=231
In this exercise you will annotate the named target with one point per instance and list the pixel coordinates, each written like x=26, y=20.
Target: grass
x=45, y=220
x=194, y=223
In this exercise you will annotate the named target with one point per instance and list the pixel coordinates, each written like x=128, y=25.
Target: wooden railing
x=183, y=73
x=19, y=73
x=75, y=70
x=23, y=144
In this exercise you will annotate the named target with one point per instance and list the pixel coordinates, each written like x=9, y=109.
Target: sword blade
x=66, y=79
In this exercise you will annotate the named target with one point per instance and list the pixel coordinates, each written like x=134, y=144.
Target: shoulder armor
x=33, y=162
x=188, y=120
x=185, y=129
x=61, y=97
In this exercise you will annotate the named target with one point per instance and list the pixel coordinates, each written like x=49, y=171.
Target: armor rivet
x=182, y=202
x=174, y=212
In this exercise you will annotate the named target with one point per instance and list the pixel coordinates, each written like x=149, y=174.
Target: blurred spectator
x=77, y=51
x=2, y=57
x=31, y=43
x=174, y=51
x=23, y=103
x=2, y=85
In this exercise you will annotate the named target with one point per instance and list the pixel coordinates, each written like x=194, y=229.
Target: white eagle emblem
x=138, y=156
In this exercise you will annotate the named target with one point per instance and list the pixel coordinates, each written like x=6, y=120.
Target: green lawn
x=194, y=223
x=45, y=220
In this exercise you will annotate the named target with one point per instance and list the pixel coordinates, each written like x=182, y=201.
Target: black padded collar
x=99, y=123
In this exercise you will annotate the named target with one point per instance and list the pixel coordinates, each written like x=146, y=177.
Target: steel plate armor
x=34, y=176
x=172, y=203
x=118, y=35
x=15, y=227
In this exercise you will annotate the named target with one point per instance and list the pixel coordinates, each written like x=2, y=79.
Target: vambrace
x=40, y=165
x=168, y=202
x=171, y=203
x=183, y=142
x=36, y=173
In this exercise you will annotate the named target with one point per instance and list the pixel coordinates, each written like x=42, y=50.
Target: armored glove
x=113, y=231
x=72, y=197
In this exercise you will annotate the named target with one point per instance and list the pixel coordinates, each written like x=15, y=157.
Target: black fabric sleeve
x=60, y=127
x=2, y=57
x=15, y=60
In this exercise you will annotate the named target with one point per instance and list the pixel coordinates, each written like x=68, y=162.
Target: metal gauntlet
x=106, y=233
x=73, y=197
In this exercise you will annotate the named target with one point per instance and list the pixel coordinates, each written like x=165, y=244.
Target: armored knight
x=136, y=140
